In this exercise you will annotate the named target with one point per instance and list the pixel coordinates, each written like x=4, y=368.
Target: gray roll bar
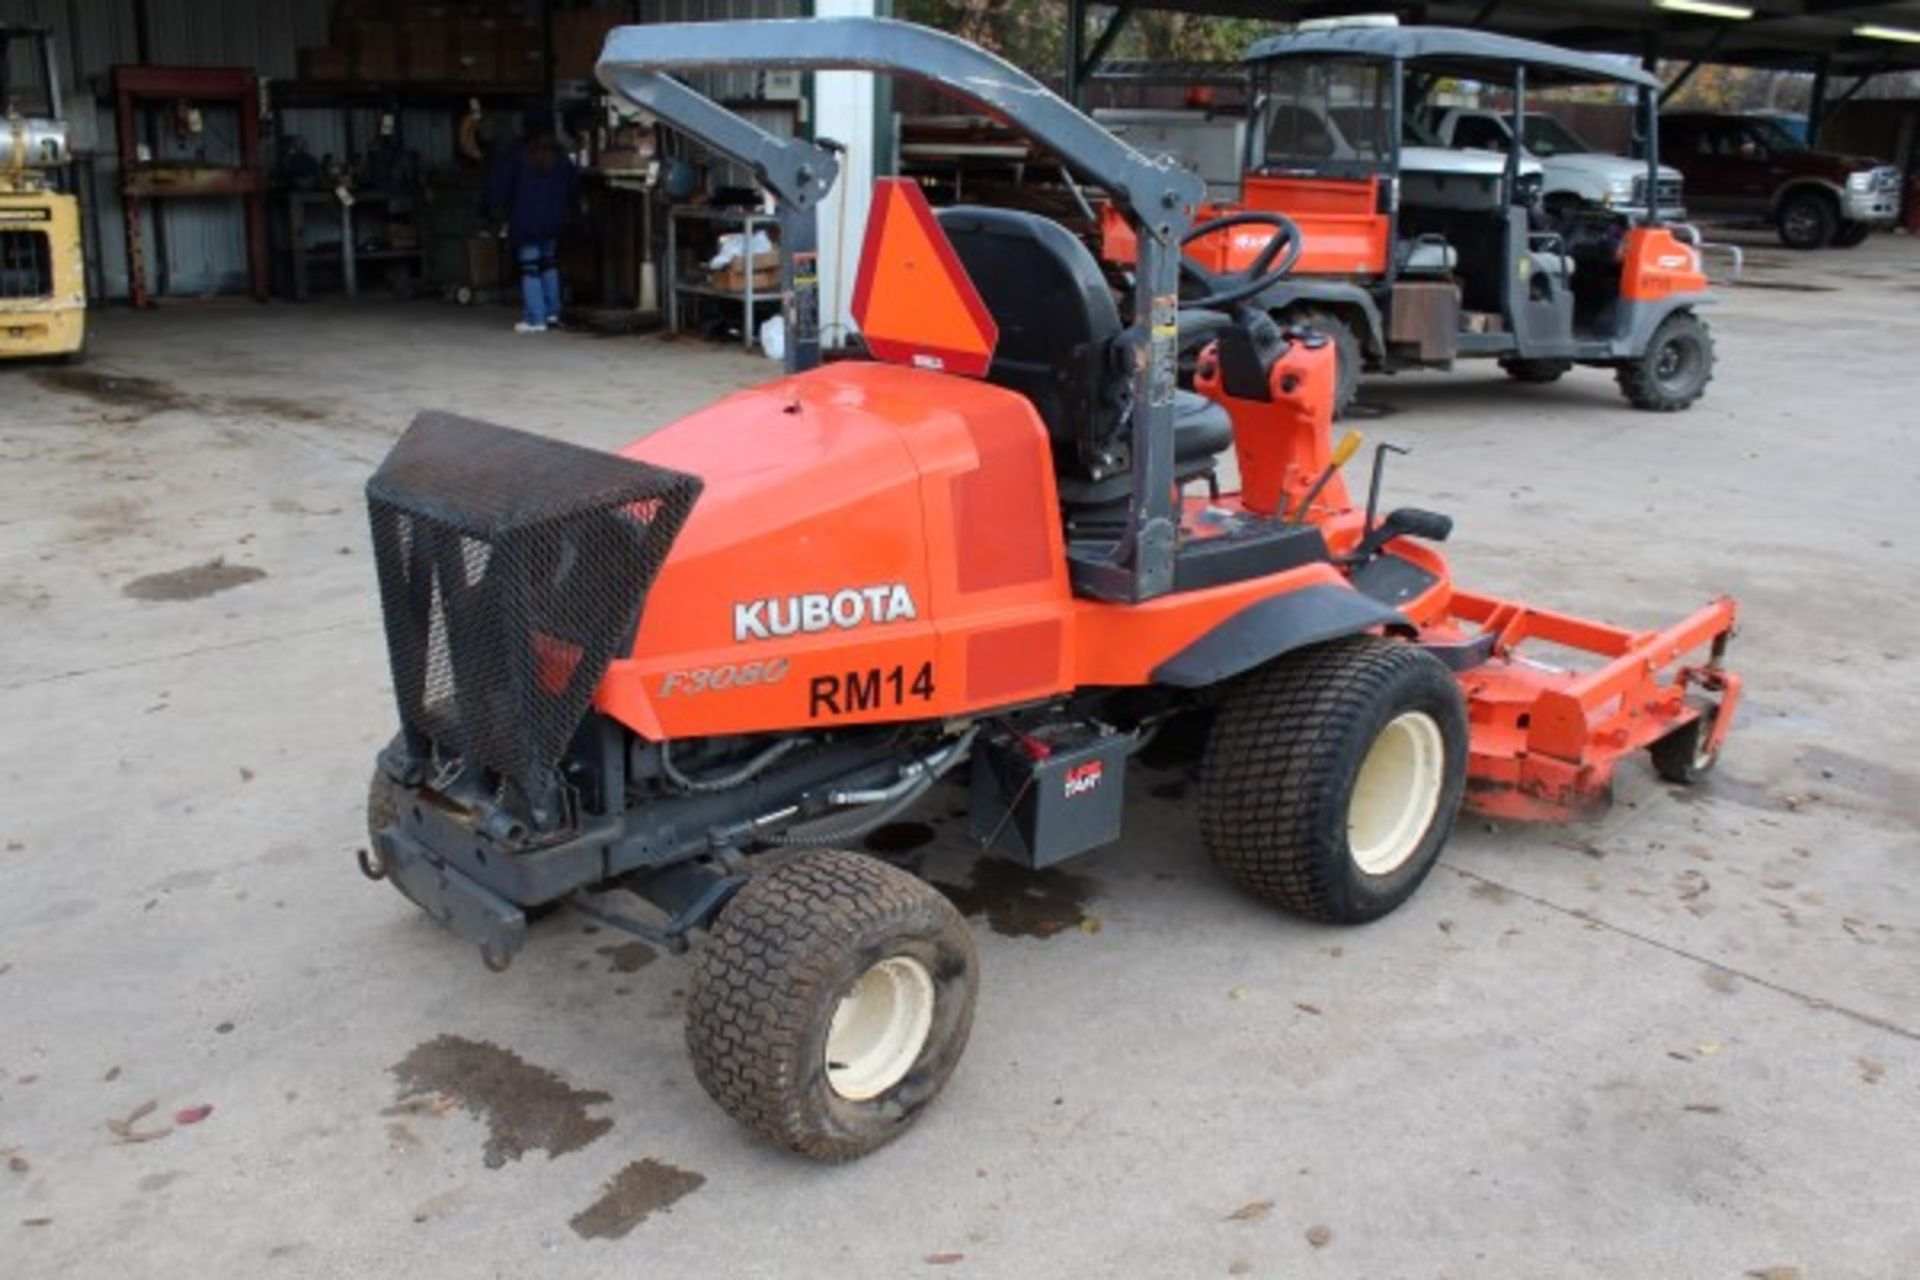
x=1155, y=196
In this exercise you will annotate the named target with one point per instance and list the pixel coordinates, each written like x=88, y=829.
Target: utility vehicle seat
x=1058, y=323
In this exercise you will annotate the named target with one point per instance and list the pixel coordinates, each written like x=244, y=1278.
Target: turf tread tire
x=1280, y=764
x=767, y=980
x=1641, y=385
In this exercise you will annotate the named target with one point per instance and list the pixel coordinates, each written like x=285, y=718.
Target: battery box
x=1043, y=796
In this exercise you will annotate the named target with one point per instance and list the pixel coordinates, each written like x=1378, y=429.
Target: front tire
x=831, y=1003
x=1676, y=368
x=1333, y=776
x=1807, y=220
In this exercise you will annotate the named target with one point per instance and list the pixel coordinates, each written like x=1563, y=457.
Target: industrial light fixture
x=1707, y=8
x=1875, y=31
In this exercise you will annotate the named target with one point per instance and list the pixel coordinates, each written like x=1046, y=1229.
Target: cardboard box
x=766, y=275
x=578, y=37
x=427, y=48
x=476, y=50
x=376, y=51
x=325, y=65
x=486, y=260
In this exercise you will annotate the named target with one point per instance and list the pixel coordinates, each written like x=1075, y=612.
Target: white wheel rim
x=879, y=1028
x=1396, y=793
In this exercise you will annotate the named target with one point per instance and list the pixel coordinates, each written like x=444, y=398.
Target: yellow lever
x=1349, y=445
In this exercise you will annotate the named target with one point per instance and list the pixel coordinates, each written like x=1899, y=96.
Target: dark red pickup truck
x=1750, y=165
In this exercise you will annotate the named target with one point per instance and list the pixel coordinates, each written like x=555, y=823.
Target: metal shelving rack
x=747, y=221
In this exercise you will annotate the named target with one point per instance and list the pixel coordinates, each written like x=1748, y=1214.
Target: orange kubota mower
x=668, y=686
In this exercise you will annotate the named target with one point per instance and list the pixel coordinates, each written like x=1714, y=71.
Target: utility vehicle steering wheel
x=1269, y=267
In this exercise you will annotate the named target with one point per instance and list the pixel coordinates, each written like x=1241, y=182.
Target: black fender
x=1338, y=293
x=1268, y=628
x=1638, y=320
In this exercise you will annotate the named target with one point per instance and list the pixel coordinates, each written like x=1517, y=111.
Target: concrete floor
x=1681, y=1041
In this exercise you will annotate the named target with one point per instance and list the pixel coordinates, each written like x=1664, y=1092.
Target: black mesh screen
x=26, y=264
x=513, y=569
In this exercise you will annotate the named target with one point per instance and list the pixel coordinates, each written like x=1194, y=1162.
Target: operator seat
x=1058, y=324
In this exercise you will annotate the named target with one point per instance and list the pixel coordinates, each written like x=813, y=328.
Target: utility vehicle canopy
x=1455, y=51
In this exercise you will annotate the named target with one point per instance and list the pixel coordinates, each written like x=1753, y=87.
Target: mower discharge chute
x=669, y=687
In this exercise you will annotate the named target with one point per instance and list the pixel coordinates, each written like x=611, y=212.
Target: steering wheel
x=1269, y=267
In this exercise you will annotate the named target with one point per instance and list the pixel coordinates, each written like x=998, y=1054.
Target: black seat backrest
x=1057, y=323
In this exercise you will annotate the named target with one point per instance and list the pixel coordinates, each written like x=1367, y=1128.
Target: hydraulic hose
x=745, y=773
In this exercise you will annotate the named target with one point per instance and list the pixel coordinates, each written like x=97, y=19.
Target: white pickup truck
x=1576, y=173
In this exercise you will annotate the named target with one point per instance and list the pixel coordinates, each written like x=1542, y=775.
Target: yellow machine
x=43, y=280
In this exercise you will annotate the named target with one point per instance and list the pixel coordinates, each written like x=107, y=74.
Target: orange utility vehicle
x=669, y=686
x=1417, y=255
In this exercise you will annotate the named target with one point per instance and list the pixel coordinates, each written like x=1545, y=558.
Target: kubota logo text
x=820, y=610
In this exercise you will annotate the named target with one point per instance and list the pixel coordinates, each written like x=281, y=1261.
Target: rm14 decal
x=869, y=690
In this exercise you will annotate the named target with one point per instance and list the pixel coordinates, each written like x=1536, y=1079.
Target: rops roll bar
x=1155, y=197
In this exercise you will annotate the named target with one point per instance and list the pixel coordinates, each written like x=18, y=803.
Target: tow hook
x=372, y=865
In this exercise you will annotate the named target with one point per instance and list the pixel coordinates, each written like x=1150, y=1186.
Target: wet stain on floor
x=274, y=407
x=627, y=957
x=526, y=1107
x=195, y=582
x=897, y=838
x=637, y=1192
x=1020, y=903
x=148, y=395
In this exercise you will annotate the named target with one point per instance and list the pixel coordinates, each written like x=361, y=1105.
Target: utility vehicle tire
x=1852, y=235
x=1676, y=368
x=1682, y=756
x=1537, y=372
x=1346, y=346
x=1333, y=776
x=383, y=810
x=1807, y=220
x=831, y=1002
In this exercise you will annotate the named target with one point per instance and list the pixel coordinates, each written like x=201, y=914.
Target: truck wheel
x=1852, y=235
x=1807, y=220
x=1333, y=776
x=1538, y=372
x=1346, y=347
x=1676, y=368
x=831, y=1002
x=1683, y=755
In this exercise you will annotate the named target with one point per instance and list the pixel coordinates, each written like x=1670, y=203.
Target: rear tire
x=831, y=1002
x=1807, y=220
x=1852, y=234
x=1333, y=776
x=1537, y=372
x=1676, y=368
x=1346, y=347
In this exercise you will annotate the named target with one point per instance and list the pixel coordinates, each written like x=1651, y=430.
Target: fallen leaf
x=1239, y=1267
x=193, y=1115
x=943, y=1259
x=1236, y=993
x=1775, y=1273
x=18, y=1163
x=1319, y=1236
x=1871, y=1070
x=113, y=1073
x=1707, y=1048
x=125, y=1131
x=1703, y=1108
x=36, y=1222
x=1304, y=1007
x=1251, y=1211
x=1445, y=926
x=1090, y=924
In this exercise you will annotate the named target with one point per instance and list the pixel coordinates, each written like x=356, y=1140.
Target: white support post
x=843, y=103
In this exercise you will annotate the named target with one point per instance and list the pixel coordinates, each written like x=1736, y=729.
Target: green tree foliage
x=1032, y=34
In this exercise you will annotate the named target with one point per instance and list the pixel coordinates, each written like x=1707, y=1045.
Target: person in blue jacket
x=532, y=188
